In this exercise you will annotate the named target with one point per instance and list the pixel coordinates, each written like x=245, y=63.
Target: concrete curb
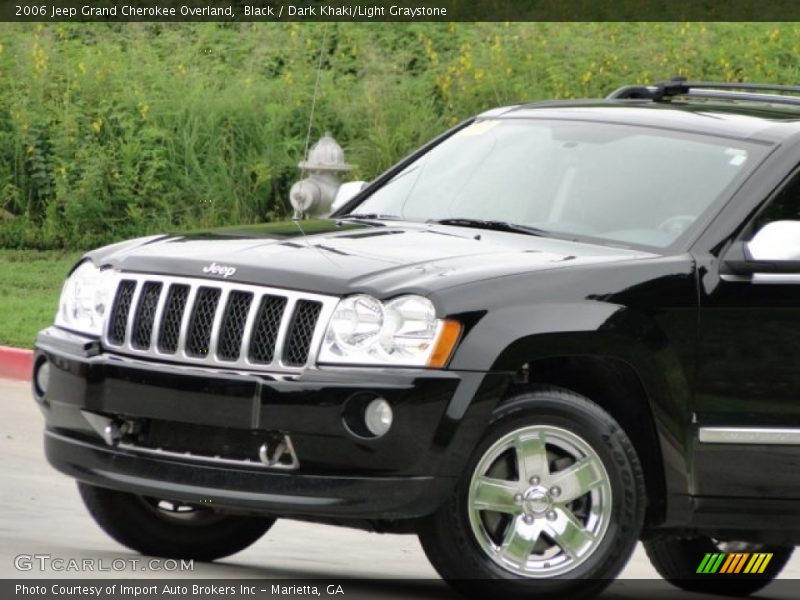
x=16, y=363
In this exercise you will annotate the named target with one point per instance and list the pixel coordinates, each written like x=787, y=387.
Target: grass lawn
x=29, y=288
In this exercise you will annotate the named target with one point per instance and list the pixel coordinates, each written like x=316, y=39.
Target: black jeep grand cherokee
x=553, y=331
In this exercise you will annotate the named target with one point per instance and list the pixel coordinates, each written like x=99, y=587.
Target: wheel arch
x=645, y=391
x=615, y=387
x=600, y=345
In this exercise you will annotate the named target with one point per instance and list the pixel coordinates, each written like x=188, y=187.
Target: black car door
x=747, y=400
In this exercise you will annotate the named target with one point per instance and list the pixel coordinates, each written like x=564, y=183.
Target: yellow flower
x=144, y=109
x=97, y=125
x=39, y=58
x=82, y=67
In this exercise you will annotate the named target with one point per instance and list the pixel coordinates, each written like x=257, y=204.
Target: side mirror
x=774, y=249
x=346, y=192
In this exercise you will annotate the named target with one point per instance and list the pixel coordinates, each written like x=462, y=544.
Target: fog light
x=42, y=377
x=378, y=417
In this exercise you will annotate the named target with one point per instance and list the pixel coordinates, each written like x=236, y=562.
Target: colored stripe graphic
x=711, y=562
x=734, y=562
x=752, y=566
x=704, y=563
x=767, y=558
x=729, y=561
x=715, y=566
x=740, y=562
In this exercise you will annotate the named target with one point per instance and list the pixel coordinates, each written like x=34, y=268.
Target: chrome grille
x=145, y=315
x=230, y=337
x=265, y=335
x=118, y=321
x=301, y=331
x=199, y=321
x=202, y=321
x=173, y=315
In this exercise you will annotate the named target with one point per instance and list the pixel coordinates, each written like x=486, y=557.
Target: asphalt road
x=41, y=513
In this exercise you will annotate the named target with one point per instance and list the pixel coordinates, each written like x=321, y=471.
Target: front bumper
x=409, y=472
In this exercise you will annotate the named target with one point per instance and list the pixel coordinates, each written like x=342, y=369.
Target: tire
x=464, y=540
x=170, y=529
x=678, y=560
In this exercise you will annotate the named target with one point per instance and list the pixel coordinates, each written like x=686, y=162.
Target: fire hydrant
x=314, y=194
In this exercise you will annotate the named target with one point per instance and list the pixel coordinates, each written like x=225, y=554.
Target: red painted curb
x=16, y=363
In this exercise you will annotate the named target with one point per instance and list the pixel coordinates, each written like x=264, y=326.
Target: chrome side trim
x=750, y=435
x=764, y=278
x=730, y=277
x=777, y=278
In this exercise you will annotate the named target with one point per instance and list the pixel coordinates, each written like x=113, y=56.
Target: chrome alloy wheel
x=539, y=501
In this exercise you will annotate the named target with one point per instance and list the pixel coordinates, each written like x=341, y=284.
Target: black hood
x=339, y=258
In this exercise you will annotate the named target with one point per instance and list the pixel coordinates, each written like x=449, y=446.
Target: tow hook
x=279, y=454
x=111, y=429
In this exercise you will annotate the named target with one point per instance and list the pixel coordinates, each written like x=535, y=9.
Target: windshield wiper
x=369, y=217
x=492, y=225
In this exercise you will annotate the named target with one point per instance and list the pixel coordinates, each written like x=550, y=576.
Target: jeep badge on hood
x=215, y=269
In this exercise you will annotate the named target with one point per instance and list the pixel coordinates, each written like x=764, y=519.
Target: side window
x=785, y=206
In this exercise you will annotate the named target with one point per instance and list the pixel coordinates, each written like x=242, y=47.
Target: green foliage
x=109, y=131
x=29, y=292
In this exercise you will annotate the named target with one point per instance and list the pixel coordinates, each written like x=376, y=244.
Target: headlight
x=357, y=323
x=402, y=332
x=86, y=299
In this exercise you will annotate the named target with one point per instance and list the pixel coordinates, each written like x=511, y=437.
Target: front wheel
x=171, y=529
x=703, y=564
x=551, y=505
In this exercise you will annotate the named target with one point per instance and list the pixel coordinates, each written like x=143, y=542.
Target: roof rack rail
x=678, y=86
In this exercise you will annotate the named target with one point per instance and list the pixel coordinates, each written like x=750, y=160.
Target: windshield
x=607, y=181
